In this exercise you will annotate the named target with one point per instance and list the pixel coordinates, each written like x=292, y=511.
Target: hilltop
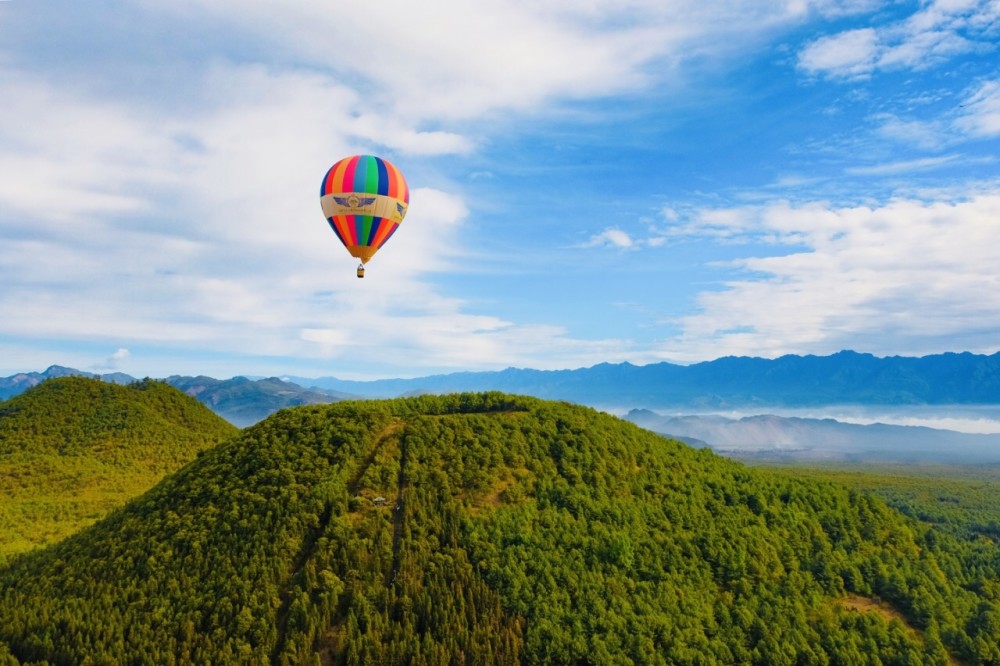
x=493, y=529
x=72, y=448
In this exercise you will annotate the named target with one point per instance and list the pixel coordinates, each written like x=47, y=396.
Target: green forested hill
x=490, y=529
x=72, y=448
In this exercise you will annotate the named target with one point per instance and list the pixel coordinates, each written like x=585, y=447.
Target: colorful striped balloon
x=364, y=198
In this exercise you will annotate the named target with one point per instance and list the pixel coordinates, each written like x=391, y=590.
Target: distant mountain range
x=843, y=378
x=731, y=383
x=243, y=401
x=239, y=400
x=846, y=377
x=21, y=382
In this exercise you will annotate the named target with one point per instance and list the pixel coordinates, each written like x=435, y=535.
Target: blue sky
x=643, y=181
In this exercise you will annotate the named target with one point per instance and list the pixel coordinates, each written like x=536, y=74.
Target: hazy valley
x=770, y=437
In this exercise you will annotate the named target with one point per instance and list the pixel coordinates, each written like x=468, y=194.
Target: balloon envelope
x=364, y=198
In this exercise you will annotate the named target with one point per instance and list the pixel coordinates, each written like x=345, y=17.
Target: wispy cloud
x=901, y=274
x=848, y=54
x=903, y=166
x=112, y=362
x=451, y=60
x=102, y=163
x=611, y=237
x=939, y=31
x=980, y=114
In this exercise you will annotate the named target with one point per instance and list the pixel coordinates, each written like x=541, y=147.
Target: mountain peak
x=63, y=371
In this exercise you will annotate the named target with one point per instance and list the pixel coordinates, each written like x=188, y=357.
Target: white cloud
x=448, y=60
x=849, y=54
x=613, y=237
x=440, y=59
x=981, y=111
x=100, y=160
x=976, y=118
x=937, y=32
x=923, y=134
x=904, y=278
x=205, y=230
x=718, y=224
x=231, y=254
x=441, y=334
x=113, y=362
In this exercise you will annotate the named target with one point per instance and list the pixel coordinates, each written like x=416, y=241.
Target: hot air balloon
x=364, y=198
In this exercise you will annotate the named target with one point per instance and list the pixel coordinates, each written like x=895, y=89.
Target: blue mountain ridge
x=751, y=385
x=846, y=377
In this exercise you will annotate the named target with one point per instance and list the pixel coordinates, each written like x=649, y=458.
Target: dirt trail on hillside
x=354, y=483
x=398, y=512
x=308, y=548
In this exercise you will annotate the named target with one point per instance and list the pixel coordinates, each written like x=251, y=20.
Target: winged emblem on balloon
x=355, y=201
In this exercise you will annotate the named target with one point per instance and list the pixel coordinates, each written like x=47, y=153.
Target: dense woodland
x=963, y=501
x=71, y=449
x=492, y=529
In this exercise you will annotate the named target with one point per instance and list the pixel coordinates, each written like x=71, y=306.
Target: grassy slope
x=72, y=449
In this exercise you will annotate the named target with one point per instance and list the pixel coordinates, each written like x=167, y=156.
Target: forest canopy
x=496, y=529
x=73, y=448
